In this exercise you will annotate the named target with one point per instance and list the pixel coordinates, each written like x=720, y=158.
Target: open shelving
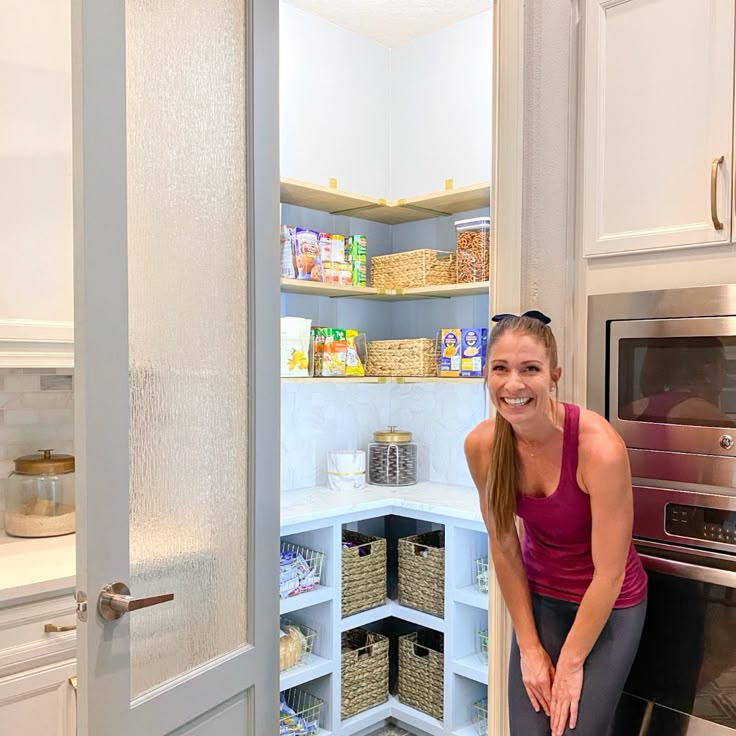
x=443, y=291
x=464, y=675
x=379, y=379
x=391, y=212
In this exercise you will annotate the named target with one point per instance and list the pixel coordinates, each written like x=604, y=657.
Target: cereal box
x=450, y=353
x=473, y=351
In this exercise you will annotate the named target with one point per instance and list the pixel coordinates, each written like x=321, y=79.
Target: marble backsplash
x=36, y=411
x=316, y=419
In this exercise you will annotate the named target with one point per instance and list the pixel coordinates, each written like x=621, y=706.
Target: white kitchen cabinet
x=36, y=283
x=39, y=702
x=656, y=112
x=36, y=695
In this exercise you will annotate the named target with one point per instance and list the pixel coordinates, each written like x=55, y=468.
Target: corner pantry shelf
x=426, y=206
x=445, y=291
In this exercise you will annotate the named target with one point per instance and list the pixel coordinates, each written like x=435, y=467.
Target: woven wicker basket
x=416, y=357
x=422, y=572
x=421, y=670
x=364, y=671
x=363, y=573
x=413, y=268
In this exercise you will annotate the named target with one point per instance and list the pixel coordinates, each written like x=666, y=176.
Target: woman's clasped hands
x=555, y=691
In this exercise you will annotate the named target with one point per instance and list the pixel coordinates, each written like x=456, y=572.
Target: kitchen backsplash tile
x=316, y=419
x=36, y=410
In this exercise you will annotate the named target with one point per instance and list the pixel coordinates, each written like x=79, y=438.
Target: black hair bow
x=532, y=313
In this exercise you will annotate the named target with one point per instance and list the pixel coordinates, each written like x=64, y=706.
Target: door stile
x=101, y=352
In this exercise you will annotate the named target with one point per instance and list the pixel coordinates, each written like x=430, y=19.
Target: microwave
x=662, y=370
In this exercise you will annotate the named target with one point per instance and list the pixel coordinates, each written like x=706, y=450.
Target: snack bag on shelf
x=354, y=363
x=295, y=339
x=318, y=347
x=334, y=357
x=288, y=252
x=308, y=263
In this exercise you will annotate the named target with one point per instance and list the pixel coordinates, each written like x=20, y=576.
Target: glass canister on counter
x=392, y=458
x=40, y=497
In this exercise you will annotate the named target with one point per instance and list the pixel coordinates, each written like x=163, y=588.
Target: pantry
x=413, y=138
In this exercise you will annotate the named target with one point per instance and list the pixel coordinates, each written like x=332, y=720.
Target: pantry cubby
x=393, y=514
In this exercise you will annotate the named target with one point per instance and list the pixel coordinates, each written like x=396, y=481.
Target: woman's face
x=520, y=378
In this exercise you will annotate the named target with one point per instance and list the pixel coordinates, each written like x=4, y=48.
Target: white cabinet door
x=657, y=112
x=176, y=320
x=36, y=289
x=39, y=702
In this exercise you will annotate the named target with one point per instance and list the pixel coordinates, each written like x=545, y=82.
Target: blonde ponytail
x=503, y=477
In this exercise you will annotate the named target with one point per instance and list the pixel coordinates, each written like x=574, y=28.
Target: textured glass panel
x=187, y=282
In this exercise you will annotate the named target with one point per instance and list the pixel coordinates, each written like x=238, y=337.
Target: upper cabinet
x=657, y=125
x=386, y=124
x=36, y=278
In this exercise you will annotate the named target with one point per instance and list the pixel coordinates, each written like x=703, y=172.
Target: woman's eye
x=532, y=368
x=497, y=368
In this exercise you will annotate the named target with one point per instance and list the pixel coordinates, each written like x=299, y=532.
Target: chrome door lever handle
x=115, y=601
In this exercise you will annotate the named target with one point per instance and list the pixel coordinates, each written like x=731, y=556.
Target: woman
x=574, y=586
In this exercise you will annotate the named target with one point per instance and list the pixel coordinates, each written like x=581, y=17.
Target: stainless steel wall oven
x=662, y=370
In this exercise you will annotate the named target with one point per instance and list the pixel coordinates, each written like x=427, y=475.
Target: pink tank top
x=556, y=546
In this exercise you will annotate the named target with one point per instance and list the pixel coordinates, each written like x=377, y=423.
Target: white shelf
x=466, y=731
x=392, y=609
x=472, y=667
x=470, y=596
x=445, y=291
x=423, y=207
x=380, y=379
x=413, y=717
x=311, y=669
x=366, y=719
x=304, y=600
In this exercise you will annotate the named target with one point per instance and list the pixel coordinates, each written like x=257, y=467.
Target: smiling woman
x=574, y=585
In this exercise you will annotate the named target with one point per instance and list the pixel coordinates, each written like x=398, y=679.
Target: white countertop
x=34, y=567
x=322, y=503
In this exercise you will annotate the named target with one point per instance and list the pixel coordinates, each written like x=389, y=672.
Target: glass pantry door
x=175, y=182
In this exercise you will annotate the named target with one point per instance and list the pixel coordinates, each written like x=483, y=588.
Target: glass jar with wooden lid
x=40, y=497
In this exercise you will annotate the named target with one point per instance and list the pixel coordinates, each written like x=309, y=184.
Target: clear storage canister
x=40, y=496
x=392, y=458
x=473, y=256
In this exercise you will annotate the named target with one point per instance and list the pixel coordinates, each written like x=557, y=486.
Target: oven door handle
x=701, y=573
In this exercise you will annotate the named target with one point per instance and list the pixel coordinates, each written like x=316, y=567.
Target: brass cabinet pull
x=717, y=224
x=56, y=628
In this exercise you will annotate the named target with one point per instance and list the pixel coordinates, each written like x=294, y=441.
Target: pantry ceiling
x=392, y=22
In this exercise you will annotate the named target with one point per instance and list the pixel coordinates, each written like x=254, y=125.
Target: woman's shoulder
x=598, y=439
x=480, y=438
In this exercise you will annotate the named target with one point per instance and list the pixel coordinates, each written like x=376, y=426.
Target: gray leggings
x=605, y=670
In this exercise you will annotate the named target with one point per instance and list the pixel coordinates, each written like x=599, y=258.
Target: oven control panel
x=697, y=522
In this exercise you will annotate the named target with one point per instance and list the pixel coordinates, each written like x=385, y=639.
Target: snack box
x=473, y=342
x=450, y=352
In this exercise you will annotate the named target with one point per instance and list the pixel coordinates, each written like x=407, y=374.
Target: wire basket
x=483, y=645
x=480, y=574
x=295, y=655
x=300, y=569
x=480, y=717
x=300, y=712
